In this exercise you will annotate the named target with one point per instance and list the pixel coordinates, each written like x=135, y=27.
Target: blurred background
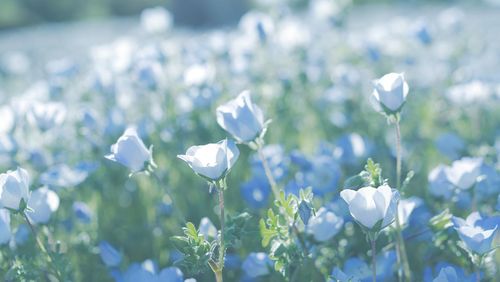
x=16, y=13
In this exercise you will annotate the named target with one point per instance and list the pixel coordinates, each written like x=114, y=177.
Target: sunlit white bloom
x=390, y=91
x=464, y=173
x=46, y=115
x=241, y=118
x=131, y=152
x=372, y=206
x=212, y=161
x=14, y=187
x=156, y=20
x=43, y=202
x=406, y=208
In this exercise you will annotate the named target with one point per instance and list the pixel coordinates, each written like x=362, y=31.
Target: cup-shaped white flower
x=14, y=187
x=212, y=161
x=372, y=208
x=43, y=202
x=463, y=173
x=131, y=152
x=242, y=118
x=390, y=92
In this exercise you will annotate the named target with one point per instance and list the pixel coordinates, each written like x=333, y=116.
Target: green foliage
x=288, y=247
x=370, y=176
x=197, y=251
x=236, y=227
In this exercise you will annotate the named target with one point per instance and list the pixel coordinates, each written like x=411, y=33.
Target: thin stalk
x=218, y=274
x=478, y=269
x=374, y=260
x=401, y=244
x=42, y=247
x=269, y=175
x=301, y=239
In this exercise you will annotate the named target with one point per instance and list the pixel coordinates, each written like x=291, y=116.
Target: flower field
x=336, y=142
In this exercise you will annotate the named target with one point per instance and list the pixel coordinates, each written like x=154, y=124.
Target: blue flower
x=422, y=33
x=109, y=255
x=82, y=212
x=255, y=192
x=464, y=277
x=46, y=115
x=464, y=173
x=324, y=225
x=439, y=184
x=351, y=148
x=242, y=118
x=356, y=270
x=212, y=161
x=257, y=264
x=450, y=145
x=489, y=185
x=477, y=232
x=276, y=158
x=63, y=176
x=171, y=274
x=5, y=233
x=324, y=176
x=447, y=274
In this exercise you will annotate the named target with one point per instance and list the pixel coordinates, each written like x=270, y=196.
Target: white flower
x=463, y=173
x=43, y=202
x=370, y=206
x=14, y=187
x=241, y=118
x=406, y=208
x=212, y=161
x=130, y=151
x=390, y=91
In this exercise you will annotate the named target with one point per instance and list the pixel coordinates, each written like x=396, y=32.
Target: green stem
x=401, y=244
x=398, y=155
x=269, y=175
x=374, y=260
x=222, y=186
x=218, y=276
x=42, y=247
